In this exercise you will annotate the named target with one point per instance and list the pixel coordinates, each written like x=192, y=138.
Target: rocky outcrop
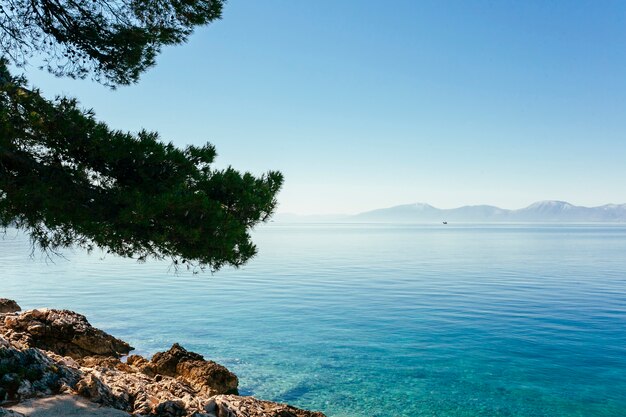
x=47, y=352
x=63, y=332
x=125, y=387
x=206, y=377
x=233, y=405
x=8, y=306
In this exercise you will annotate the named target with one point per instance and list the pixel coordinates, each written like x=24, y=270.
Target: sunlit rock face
x=62, y=332
x=206, y=377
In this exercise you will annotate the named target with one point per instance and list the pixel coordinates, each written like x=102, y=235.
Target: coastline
x=54, y=363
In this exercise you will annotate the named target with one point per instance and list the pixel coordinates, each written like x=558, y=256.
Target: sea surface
x=377, y=320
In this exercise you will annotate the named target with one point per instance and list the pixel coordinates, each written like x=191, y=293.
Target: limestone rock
x=236, y=406
x=170, y=409
x=142, y=393
x=30, y=373
x=206, y=377
x=8, y=306
x=141, y=364
x=106, y=362
x=92, y=388
x=63, y=332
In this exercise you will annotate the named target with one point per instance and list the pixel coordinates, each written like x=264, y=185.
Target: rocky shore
x=54, y=363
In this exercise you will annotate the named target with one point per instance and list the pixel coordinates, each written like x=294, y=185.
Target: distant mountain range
x=541, y=211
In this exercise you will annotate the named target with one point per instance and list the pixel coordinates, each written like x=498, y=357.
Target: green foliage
x=68, y=179
x=114, y=40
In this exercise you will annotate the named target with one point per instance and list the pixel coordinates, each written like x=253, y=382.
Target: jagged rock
x=92, y=388
x=236, y=406
x=105, y=362
x=141, y=364
x=206, y=377
x=170, y=409
x=30, y=373
x=64, y=361
x=8, y=306
x=135, y=391
x=63, y=332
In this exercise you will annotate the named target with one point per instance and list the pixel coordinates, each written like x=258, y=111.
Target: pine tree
x=113, y=40
x=70, y=180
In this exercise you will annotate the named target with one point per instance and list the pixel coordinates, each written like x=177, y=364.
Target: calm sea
x=377, y=320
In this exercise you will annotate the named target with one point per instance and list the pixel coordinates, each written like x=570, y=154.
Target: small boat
x=445, y=222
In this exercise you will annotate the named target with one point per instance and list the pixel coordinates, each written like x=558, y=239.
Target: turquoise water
x=378, y=320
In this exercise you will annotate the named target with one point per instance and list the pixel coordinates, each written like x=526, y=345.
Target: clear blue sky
x=368, y=104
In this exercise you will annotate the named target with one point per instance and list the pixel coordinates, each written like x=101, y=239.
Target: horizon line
x=450, y=208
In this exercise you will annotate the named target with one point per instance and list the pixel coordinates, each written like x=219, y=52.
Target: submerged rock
x=8, y=306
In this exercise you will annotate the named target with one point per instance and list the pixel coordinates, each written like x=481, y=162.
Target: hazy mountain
x=406, y=212
x=541, y=211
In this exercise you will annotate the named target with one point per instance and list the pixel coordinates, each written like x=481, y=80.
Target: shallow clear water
x=378, y=320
